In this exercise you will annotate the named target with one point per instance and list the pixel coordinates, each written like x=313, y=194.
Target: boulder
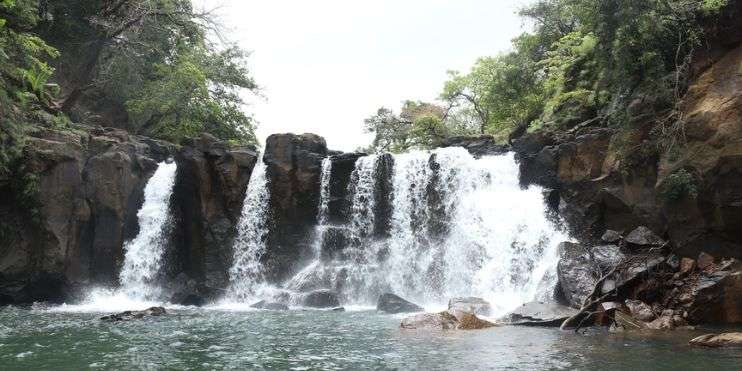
x=640, y=310
x=611, y=236
x=716, y=298
x=686, y=265
x=469, y=321
x=705, y=261
x=577, y=273
x=541, y=314
x=469, y=305
x=607, y=256
x=730, y=339
x=644, y=237
x=137, y=314
x=269, y=305
x=321, y=299
x=430, y=321
x=390, y=303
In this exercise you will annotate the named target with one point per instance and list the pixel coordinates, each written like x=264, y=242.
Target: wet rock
x=717, y=298
x=469, y=321
x=469, y=305
x=705, y=261
x=294, y=170
x=730, y=339
x=188, y=299
x=644, y=237
x=338, y=309
x=640, y=310
x=430, y=321
x=391, y=303
x=321, y=299
x=686, y=265
x=607, y=256
x=137, y=314
x=611, y=236
x=577, y=273
x=269, y=305
x=541, y=314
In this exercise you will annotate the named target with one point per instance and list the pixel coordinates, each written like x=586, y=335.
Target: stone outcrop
x=294, y=168
x=89, y=187
x=208, y=196
x=390, y=303
x=478, y=146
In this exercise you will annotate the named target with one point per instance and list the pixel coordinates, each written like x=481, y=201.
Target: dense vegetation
x=146, y=66
x=584, y=63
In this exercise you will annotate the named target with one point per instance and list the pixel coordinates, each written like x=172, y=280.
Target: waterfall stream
x=144, y=253
x=246, y=273
x=459, y=226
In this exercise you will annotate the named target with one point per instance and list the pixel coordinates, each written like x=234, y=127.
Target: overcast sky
x=325, y=65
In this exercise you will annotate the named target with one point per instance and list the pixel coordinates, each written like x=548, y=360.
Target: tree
x=419, y=125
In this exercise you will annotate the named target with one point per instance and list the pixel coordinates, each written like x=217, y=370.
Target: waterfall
x=246, y=273
x=459, y=226
x=143, y=257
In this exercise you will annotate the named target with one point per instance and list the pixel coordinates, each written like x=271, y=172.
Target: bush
x=680, y=185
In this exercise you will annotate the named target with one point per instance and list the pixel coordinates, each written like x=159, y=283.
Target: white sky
x=325, y=65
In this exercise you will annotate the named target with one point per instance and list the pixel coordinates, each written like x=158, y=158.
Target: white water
x=246, y=274
x=465, y=229
x=138, y=278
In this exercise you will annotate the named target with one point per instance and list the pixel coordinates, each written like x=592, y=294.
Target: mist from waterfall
x=246, y=275
x=143, y=255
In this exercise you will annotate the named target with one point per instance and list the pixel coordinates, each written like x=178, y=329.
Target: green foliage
x=419, y=125
x=149, y=67
x=679, y=185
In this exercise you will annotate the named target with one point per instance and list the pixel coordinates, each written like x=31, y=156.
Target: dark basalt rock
x=321, y=299
x=269, y=306
x=390, y=303
x=294, y=169
x=644, y=237
x=577, y=273
x=137, y=314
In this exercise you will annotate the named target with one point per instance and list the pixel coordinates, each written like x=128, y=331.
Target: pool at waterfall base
x=361, y=338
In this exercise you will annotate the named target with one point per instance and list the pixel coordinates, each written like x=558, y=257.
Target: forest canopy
x=583, y=62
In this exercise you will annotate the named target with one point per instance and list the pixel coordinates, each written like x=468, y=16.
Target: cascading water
x=246, y=273
x=460, y=226
x=144, y=253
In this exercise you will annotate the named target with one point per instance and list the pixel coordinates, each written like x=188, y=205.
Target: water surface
x=198, y=339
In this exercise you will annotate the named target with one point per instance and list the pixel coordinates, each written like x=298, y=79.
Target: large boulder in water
x=430, y=321
x=541, y=314
x=391, y=303
x=135, y=314
x=470, y=305
x=445, y=321
x=321, y=299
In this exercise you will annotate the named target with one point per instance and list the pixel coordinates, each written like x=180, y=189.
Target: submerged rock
x=269, y=305
x=541, y=314
x=136, y=314
x=392, y=304
x=321, y=299
x=730, y=339
x=470, y=305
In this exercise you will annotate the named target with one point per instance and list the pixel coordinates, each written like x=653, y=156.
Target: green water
x=202, y=339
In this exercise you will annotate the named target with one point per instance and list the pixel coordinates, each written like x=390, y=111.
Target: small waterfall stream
x=144, y=253
x=246, y=273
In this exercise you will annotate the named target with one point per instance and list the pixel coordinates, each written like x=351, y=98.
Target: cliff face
x=90, y=186
x=616, y=178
